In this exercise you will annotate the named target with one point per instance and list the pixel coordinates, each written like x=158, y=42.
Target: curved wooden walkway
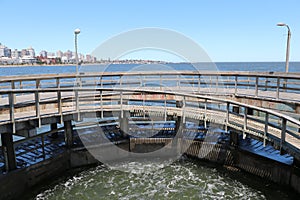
x=280, y=129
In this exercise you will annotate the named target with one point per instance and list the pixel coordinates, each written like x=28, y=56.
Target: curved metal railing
x=276, y=86
x=280, y=129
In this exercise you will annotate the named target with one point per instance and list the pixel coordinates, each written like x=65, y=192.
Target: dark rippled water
x=180, y=180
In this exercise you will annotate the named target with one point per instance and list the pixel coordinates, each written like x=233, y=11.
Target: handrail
x=279, y=86
x=286, y=132
x=79, y=89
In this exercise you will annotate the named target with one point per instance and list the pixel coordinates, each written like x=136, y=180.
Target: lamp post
x=287, y=47
x=76, y=32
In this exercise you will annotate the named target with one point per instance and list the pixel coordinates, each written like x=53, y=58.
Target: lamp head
x=77, y=31
x=281, y=24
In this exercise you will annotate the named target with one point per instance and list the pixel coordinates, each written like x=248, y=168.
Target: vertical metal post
x=37, y=107
x=165, y=107
x=227, y=116
x=144, y=115
x=235, y=84
x=37, y=103
x=77, y=104
x=199, y=83
x=245, y=122
x=59, y=100
x=277, y=88
x=256, y=86
x=217, y=84
x=205, y=113
x=101, y=104
x=266, y=128
x=210, y=83
x=121, y=104
x=13, y=86
x=283, y=134
x=11, y=100
x=183, y=109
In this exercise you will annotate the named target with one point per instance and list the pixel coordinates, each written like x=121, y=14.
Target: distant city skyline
x=230, y=30
x=29, y=55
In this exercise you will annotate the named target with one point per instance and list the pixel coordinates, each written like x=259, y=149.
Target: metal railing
x=280, y=129
x=278, y=86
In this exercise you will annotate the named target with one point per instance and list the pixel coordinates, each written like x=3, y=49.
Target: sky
x=228, y=31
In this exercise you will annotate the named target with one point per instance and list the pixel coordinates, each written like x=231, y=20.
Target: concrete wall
x=17, y=182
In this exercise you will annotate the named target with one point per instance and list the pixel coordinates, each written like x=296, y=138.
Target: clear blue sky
x=231, y=30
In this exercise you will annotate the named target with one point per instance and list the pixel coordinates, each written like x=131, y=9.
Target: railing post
x=121, y=104
x=11, y=100
x=245, y=122
x=283, y=134
x=266, y=128
x=256, y=86
x=120, y=80
x=59, y=105
x=183, y=109
x=101, y=81
x=235, y=84
x=101, y=104
x=217, y=83
x=227, y=116
x=13, y=86
x=205, y=113
x=199, y=83
x=266, y=84
x=165, y=107
x=37, y=107
x=77, y=103
x=144, y=115
x=278, y=88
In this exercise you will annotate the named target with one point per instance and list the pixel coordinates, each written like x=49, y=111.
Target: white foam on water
x=176, y=181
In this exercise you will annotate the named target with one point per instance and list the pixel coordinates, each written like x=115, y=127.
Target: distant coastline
x=128, y=62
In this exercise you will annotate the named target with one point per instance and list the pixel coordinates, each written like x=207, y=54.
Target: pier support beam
x=68, y=133
x=179, y=125
x=52, y=128
x=234, y=138
x=8, y=151
x=124, y=124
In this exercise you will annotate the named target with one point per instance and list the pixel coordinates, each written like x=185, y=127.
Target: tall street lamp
x=76, y=32
x=287, y=46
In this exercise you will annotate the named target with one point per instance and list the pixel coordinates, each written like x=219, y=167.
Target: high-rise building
x=31, y=52
x=59, y=54
x=68, y=54
x=24, y=52
x=16, y=54
x=4, y=51
x=88, y=58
